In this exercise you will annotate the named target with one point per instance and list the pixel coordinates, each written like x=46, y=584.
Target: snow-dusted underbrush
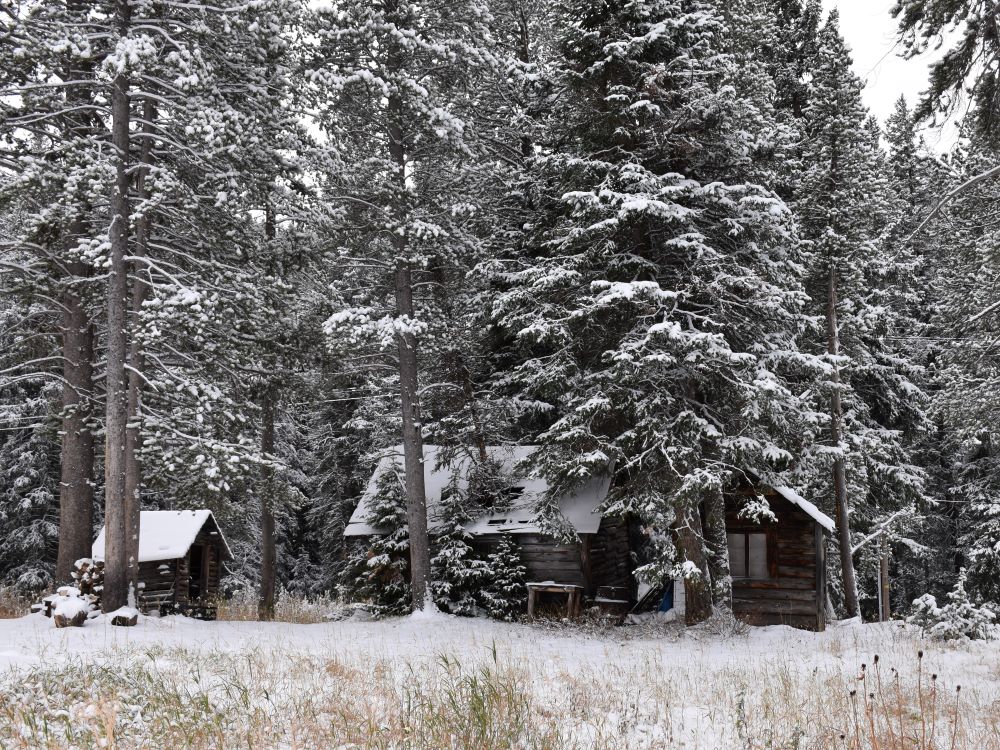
x=13, y=603
x=287, y=608
x=442, y=682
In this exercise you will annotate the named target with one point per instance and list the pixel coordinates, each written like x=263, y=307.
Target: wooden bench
x=574, y=596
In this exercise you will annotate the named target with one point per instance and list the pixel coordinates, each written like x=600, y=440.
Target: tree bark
x=76, y=485
x=140, y=290
x=116, y=592
x=883, y=581
x=413, y=442
x=268, y=558
x=718, y=548
x=697, y=586
x=839, y=464
x=406, y=339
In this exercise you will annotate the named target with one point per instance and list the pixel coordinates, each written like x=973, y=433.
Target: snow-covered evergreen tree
x=503, y=594
x=871, y=395
x=392, y=85
x=654, y=304
x=457, y=573
x=377, y=568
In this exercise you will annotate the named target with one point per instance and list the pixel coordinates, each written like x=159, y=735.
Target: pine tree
x=29, y=469
x=392, y=85
x=504, y=594
x=456, y=572
x=616, y=301
x=874, y=404
x=376, y=570
x=968, y=69
x=50, y=141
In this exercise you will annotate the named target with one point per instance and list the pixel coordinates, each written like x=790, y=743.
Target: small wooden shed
x=778, y=564
x=181, y=553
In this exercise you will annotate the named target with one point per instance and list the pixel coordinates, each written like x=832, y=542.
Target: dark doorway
x=196, y=572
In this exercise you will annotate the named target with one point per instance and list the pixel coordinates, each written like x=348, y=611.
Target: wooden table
x=574, y=596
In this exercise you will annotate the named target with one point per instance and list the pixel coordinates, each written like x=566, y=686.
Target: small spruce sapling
x=504, y=594
x=959, y=618
x=377, y=571
x=456, y=572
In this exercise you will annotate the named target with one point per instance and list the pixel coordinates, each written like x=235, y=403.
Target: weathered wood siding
x=609, y=562
x=545, y=558
x=611, y=558
x=158, y=578
x=168, y=581
x=793, y=594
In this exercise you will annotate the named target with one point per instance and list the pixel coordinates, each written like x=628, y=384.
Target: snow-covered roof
x=810, y=510
x=579, y=507
x=166, y=534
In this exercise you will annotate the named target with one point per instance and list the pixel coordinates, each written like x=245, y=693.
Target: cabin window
x=748, y=555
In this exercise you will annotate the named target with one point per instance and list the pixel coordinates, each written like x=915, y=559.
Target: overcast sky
x=870, y=30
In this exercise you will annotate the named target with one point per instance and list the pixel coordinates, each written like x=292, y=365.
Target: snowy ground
x=454, y=682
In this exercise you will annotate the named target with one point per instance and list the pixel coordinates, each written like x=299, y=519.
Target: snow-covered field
x=447, y=682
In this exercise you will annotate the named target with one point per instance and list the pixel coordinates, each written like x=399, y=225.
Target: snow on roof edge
x=181, y=527
x=810, y=510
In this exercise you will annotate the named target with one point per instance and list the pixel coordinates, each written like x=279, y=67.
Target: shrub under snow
x=959, y=618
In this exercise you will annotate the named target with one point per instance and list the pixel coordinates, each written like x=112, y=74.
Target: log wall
x=168, y=581
x=602, y=559
x=794, y=592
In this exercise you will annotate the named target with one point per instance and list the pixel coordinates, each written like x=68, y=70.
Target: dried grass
x=287, y=608
x=13, y=604
x=257, y=697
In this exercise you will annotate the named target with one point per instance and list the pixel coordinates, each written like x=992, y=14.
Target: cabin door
x=197, y=571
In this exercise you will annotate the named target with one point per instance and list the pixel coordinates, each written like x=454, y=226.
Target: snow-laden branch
x=880, y=531
x=972, y=182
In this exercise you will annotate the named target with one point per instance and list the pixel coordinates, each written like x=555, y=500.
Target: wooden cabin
x=599, y=563
x=778, y=565
x=181, y=553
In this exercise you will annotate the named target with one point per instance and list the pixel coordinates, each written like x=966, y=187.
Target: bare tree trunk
x=718, y=548
x=697, y=586
x=140, y=290
x=413, y=442
x=116, y=593
x=883, y=582
x=76, y=485
x=839, y=465
x=265, y=605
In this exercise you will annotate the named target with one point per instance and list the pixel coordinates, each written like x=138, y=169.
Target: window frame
x=770, y=556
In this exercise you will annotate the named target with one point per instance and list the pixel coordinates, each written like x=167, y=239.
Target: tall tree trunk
x=76, y=485
x=268, y=558
x=718, y=548
x=885, y=612
x=697, y=585
x=413, y=441
x=140, y=290
x=116, y=592
x=76, y=482
x=839, y=464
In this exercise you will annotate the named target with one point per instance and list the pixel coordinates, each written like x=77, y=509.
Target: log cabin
x=778, y=562
x=181, y=553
